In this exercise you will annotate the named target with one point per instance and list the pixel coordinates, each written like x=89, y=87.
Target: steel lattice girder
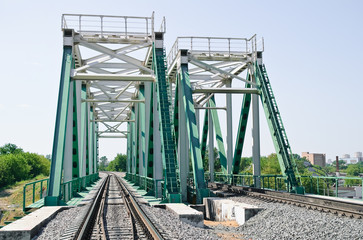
x=193, y=134
x=54, y=187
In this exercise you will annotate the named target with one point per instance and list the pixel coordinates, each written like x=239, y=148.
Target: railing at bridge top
x=107, y=25
x=216, y=46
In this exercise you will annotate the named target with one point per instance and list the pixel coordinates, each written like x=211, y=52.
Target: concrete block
x=244, y=211
x=28, y=226
x=218, y=209
x=186, y=214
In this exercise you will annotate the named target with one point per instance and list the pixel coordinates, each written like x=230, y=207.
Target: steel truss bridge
x=117, y=82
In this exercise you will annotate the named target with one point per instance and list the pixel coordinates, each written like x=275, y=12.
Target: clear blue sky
x=313, y=54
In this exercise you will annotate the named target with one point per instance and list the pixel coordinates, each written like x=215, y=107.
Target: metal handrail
x=68, y=189
x=106, y=24
x=212, y=45
x=33, y=184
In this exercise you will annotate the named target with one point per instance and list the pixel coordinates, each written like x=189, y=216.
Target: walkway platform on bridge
x=141, y=194
x=75, y=201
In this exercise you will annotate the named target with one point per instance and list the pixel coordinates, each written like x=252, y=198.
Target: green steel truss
x=193, y=134
x=153, y=127
x=55, y=180
x=219, y=138
x=150, y=150
x=246, y=103
x=281, y=143
x=203, y=145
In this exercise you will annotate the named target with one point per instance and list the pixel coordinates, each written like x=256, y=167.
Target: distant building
x=352, y=160
x=315, y=158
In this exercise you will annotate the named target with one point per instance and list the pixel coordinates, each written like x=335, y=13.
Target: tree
x=118, y=164
x=103, y=163
x=10, y=148
x=13, y=168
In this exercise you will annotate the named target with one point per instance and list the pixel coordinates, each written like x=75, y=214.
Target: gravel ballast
x=58, y=225
x=173, y=228
x=283, y=221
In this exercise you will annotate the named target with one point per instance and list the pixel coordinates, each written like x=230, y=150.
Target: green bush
x=39, y=164
x=118, y=164
x=15, y=165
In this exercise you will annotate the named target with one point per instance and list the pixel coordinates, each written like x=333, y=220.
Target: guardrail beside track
x=341, y=208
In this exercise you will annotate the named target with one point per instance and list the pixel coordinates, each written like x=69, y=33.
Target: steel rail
x=149, y=228
x=342, y=208
x=87, y=225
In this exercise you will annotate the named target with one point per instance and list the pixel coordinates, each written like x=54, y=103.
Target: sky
x=313, y=55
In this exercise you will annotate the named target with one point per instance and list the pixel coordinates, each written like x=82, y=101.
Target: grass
x=11, y=198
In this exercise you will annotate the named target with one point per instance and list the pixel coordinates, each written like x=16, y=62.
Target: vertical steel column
x=97, y=143
x=67, y=161
x=256, y=157
x=95, y=159
x=90, y=141
x=133, y=132
x=142, y=120
x=229, y=128
x=149, y=130
x=211, y=145
x=87, y=132
x=137, y=140
x=191, y=127
x=129, y=144
x=55, y=179
x=76, y=130
x=183, y=144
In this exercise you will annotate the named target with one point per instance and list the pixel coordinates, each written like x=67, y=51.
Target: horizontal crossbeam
x=113, y=77
x=227, y=90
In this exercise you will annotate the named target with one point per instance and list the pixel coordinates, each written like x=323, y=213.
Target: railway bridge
x=118, y=82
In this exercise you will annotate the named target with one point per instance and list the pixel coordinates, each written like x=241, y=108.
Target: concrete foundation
x=244, y=211
x=219, y=209
x=28, y=226
x=186, y=214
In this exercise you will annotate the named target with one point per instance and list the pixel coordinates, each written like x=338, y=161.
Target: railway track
x=341, y=208
x=114, y=214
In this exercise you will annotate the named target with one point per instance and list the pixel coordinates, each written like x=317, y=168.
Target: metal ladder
x=168, y=144
x=283, y=149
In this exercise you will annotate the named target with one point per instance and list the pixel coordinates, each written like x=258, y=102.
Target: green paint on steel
x=246, y=103
x=219, y=138
x=176, y=113
x=150, y=150
x=75, y=144
x=193, y=134
x=56, y=171
x=137, y=139
x=95, y=147
x=273, y=116
x=91, y=140
x=83, y=130
x=133, y=131
x=96, y=135
x=87, y=139
x=170, y=166
x=142, y=120
x=129, y=146
x=204, y=134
